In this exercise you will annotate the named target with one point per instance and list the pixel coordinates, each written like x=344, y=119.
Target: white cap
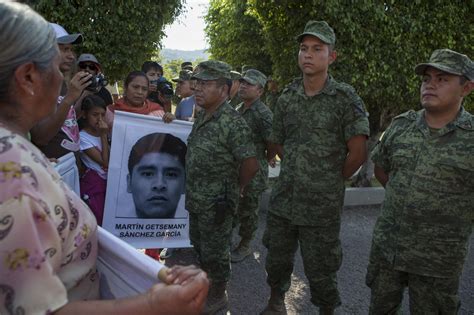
x=63, y=37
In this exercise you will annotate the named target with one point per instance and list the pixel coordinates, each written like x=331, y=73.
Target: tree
x=121, y=34
x=378, y=43
x=235, y=36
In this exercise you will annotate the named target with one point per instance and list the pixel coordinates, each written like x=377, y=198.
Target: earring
x=32, y=93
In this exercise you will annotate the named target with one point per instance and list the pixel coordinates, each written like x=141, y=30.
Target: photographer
x=160, y=90
x=58, y=133
x=89, y=63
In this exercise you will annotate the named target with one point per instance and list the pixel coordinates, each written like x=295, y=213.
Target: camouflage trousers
x=321, y=253
x=427, y=295
x=212, y=243
x=247, y=214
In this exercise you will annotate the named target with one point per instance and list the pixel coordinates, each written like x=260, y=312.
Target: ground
x=248, y=292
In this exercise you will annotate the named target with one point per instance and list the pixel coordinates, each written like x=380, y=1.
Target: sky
x=187, y=32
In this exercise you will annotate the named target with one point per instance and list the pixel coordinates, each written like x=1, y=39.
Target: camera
x=164, y=87
x=97, y=82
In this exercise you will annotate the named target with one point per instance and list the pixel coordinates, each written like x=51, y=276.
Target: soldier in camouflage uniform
x=272, y=95
x=220, y=162
x=234, y=98
x=259, y=119
x=425, y=160
x=320, y=128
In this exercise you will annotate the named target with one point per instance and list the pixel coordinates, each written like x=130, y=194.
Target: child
x=95, y=151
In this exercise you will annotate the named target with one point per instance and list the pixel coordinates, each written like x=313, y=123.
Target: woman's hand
x=168, y=117
x=186, y=295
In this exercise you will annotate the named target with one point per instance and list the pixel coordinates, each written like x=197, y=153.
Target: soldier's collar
x=329, y=87
x=464, y=120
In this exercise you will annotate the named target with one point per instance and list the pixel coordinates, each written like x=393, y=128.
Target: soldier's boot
x=326, y=310
x=241, y=252
x=276, y=304
x=216, y=299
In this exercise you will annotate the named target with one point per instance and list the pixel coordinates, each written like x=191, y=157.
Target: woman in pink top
x=48, y=236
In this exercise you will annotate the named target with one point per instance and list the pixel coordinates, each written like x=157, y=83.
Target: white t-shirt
x=89, y=141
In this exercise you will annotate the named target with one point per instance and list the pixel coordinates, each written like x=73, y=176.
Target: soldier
x=220, y=162
x=259, y=119
x=234, y=98
x=425, y=161
x=320, y=128
x=272, y=94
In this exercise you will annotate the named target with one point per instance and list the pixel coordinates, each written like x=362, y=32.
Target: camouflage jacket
x=271, y=98
x=216, y=146
x=259, y=118
x=313, y=131
x=428, y=211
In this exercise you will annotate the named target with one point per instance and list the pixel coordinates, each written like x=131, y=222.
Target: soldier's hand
x=272, y=162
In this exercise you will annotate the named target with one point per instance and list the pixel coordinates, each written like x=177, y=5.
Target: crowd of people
x=317, y=126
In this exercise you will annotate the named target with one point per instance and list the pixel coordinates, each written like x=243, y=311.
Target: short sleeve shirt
x=48, y=244
x=313, y=131
x=428, y=212
x=216, y=147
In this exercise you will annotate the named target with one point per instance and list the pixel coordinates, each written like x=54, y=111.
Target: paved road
x=248, y=291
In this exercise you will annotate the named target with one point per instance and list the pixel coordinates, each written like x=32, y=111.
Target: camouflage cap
x=254, y=77
x=449, y=61
x=187, y=65
x=319, y=29
x=212, y=70
x=234, y=75
x=184, y=75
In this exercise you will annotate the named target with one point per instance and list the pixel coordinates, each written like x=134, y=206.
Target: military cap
x=184, y=75
x=212, y=70
x=449, y=61
x=254, y=77
x=245, y=68
x=234, y=75
x=319, y=29
x=187, y=65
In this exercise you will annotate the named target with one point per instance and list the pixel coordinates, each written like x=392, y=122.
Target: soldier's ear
x=467, y=88
x=332, y=56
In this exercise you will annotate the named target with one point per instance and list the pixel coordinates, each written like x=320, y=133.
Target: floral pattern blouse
x=48, y=241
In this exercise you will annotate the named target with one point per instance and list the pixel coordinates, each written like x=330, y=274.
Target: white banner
x=144, y=203
x=124, y=271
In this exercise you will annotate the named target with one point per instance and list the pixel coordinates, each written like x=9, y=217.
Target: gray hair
x=25, y=36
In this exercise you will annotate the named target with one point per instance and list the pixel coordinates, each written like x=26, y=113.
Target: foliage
x=121, y=34
x=235, y=36
x=378, y=43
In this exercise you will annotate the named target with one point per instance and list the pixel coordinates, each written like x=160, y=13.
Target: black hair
x=148, y=65
x=92, y=101
x=132, y=75
x=157, y=143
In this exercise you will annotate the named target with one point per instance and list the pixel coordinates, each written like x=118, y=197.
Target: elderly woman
x=135, y=100
x=48, y=242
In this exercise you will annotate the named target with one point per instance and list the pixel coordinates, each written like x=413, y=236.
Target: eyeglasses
x=88, y=66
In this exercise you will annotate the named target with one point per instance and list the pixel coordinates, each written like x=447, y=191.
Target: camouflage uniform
x=308, y=196
x=421, y=237
x=271, y=98
x=259, y=119
x=215, y=148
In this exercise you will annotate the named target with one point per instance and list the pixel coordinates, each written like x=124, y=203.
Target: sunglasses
x=88, y=66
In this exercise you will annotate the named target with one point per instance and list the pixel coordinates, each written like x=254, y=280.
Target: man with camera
x=58, y=134
x=161, y=90
x=89, y=63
